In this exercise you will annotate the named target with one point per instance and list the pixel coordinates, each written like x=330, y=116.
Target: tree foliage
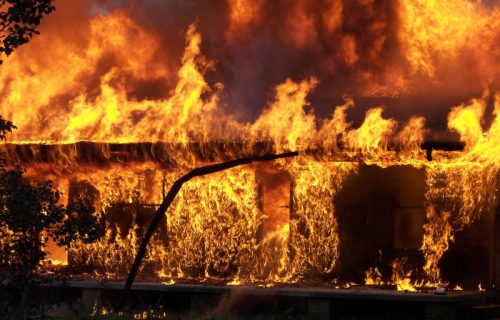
x=19, y=20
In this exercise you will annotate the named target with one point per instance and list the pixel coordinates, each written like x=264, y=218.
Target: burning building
x=395, y=185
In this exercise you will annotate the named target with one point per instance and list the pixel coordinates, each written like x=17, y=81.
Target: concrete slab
x=354, y=292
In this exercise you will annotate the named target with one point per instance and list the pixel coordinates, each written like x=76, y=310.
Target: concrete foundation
x=311, y=303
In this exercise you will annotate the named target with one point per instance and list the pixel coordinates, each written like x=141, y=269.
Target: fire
x=236, y=226
x=467, y=121
x=111, y=116
x=433, y=30
x=437, y=238
x=411, y=137
x=402, y=277
x=242, y=14
x=315, y=240
x=103, y=121
x=42, y=82
x=459, y=191
x=285, y=122
x=372, y=136
x=373, y=277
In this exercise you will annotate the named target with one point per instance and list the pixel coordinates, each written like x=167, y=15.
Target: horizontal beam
x=169, y=154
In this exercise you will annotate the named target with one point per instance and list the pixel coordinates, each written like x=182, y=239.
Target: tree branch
x=169, y=198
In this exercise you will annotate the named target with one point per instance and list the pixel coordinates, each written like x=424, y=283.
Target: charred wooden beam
x=449, y=146
x=168, y=155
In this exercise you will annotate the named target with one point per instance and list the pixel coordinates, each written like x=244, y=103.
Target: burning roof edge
x=170, y=154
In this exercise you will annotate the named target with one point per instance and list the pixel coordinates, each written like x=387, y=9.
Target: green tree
x=19, y=20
